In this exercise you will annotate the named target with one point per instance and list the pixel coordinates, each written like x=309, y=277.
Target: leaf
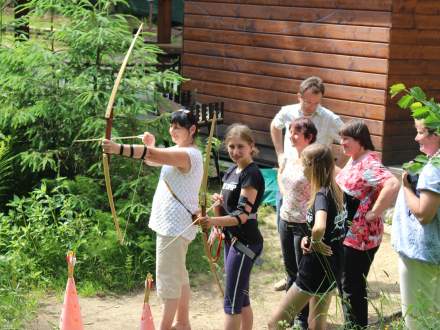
x=396, y=89
x=412, y=167
x=405, y=101
x=420, y=112
x=421, y=159
x=431, y=121
x=436, y=161
x=416, y=105
x=418, y=93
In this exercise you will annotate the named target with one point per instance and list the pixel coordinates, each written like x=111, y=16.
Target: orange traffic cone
x=147, y=318
x=71, y=315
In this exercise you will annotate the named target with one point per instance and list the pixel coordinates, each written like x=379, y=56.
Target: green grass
x=90, y=289
x=36, y=22
x=17, y=307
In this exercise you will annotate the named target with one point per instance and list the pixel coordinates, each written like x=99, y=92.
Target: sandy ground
x=124, y=312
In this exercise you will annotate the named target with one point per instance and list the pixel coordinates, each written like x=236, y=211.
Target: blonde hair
x=242, y=132
x=318, y=159
x=430, y=130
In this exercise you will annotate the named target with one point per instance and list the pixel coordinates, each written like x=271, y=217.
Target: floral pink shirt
x=364, y=179
x=296, y=192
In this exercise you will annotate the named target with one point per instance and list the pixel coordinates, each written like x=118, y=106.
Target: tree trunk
x=22, y=29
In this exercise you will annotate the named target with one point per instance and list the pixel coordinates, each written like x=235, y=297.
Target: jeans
x=279, y=202
x=354, y=286
x=290, y=236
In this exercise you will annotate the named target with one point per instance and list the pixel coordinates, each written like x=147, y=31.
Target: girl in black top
x=242, y=191
x=320, y=268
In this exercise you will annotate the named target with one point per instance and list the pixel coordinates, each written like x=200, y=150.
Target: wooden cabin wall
x=414, y=59
x=253, y=54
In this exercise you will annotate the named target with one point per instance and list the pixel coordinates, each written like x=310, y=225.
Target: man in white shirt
x=327, y=123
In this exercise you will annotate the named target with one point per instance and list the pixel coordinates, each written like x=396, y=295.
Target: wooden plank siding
x=414, y=58
x=253, y=54
x=290, y=13
x=380, y=5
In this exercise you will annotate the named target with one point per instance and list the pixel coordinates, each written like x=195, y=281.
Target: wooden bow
x=108, y=135
x=203, y=204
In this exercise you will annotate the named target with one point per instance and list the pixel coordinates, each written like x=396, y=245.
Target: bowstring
x=140, y=171
x=132, y=198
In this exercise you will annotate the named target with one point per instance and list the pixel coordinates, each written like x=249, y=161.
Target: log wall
x=253, y=54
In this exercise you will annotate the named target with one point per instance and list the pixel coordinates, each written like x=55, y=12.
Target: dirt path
x=123, y=312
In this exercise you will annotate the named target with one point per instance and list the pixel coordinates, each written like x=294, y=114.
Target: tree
x=51, y=96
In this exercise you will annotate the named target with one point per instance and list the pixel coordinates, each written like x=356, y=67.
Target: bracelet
x=313, y=241
x=121, y=149
x=131, y=151
x=144, y=153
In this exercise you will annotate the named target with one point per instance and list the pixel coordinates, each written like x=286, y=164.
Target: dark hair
x=185, y=118
x=357, y=130
x=306, y=127
x=315, y=84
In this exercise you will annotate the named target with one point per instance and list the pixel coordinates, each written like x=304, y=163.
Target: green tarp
x=270, y=181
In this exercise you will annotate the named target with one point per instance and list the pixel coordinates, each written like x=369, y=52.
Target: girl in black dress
x=320, y=268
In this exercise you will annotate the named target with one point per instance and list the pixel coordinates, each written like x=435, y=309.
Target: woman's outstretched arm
x=162, y=156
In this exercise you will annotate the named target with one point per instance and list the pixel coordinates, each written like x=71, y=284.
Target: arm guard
x=241, y=209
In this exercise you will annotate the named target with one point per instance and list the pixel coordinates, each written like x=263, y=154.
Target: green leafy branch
x=415, y=100
x=421, y=107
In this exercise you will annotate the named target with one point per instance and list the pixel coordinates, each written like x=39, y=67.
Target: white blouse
x=168, y=217
x=296, y=192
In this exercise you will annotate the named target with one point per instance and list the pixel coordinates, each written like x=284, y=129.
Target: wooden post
x=164, y=22
x=150, y=15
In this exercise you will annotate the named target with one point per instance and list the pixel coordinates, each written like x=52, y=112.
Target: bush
x=38, y=230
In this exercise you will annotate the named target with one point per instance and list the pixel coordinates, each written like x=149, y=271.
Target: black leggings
x=354, y=286
x=290, y=236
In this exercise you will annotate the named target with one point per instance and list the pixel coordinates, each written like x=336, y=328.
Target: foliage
x=13, y=302
x=5, y=166
x=64, y=215
x=49, y=97
x=52, y=93
x=415, y=100
x=421, y=107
